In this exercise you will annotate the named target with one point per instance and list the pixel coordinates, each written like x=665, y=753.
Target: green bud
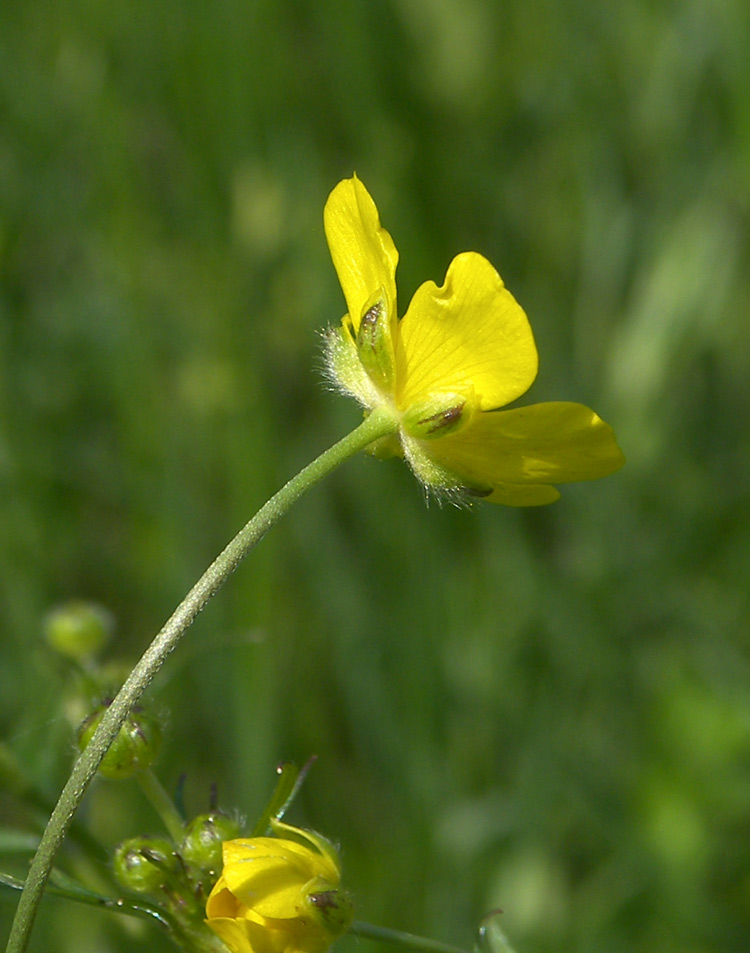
x=134, y=749
x=78, y=629
x=145, y=864
x=437, y=416
x=374, y=343
x=331, y=908
x=204, y=835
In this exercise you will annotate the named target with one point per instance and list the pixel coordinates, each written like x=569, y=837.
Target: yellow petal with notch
x=470, y=335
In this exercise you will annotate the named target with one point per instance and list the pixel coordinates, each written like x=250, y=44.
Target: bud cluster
x=180, y=874
x=176, y=872
x=197, y=880
x=286, y=887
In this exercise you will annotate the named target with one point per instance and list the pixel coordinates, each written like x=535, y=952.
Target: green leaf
x=60, y=885
x=290, y=781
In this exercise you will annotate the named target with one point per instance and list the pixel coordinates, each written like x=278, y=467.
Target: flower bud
x=279, y=893
x=135, y=747
x=204, y=836
x=144, y=864
x=78, y=629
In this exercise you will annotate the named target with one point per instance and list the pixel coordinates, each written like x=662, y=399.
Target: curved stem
x=378, y=424
x=409, y=940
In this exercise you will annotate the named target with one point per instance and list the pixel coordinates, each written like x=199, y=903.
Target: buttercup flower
x=461, y=352
x=279, y=894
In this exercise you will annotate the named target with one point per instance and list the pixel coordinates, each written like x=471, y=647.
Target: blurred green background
x=545, y=711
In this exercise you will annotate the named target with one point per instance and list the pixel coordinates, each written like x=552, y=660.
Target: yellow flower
x=279, y=894
x=459, y=353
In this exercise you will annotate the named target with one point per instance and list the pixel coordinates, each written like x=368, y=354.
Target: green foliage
x=542, y=711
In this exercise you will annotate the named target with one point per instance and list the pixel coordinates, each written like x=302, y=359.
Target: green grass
x=544, y=711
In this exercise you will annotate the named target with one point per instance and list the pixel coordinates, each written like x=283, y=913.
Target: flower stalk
x=409, y=941
x=162, y=804
x=378, y=424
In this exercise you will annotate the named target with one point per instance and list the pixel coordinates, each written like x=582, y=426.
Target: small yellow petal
x=245, y=935
x=557, y=442
x=222, y=902
x=233, y=933
x=469, y=335
x=363, y=252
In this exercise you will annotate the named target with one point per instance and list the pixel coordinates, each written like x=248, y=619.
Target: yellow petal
x=234, y=934
x=558, y=442
x=469, y=334
x=267, y=873
x=246, y=936
x=222, y=902
x=363, y=252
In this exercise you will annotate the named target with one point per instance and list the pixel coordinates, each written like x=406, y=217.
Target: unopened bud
x=78, y=629
x=204, y=835
x=144, y=864
x=135, y=747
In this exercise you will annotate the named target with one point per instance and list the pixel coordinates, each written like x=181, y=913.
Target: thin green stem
x=409, y=940
x=377, y=425
x=162, y=804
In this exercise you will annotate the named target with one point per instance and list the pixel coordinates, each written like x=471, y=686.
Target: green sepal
x=375, y=342
x=437, y=416
x=331, y=908
x=345, y=369
x=436, y=477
